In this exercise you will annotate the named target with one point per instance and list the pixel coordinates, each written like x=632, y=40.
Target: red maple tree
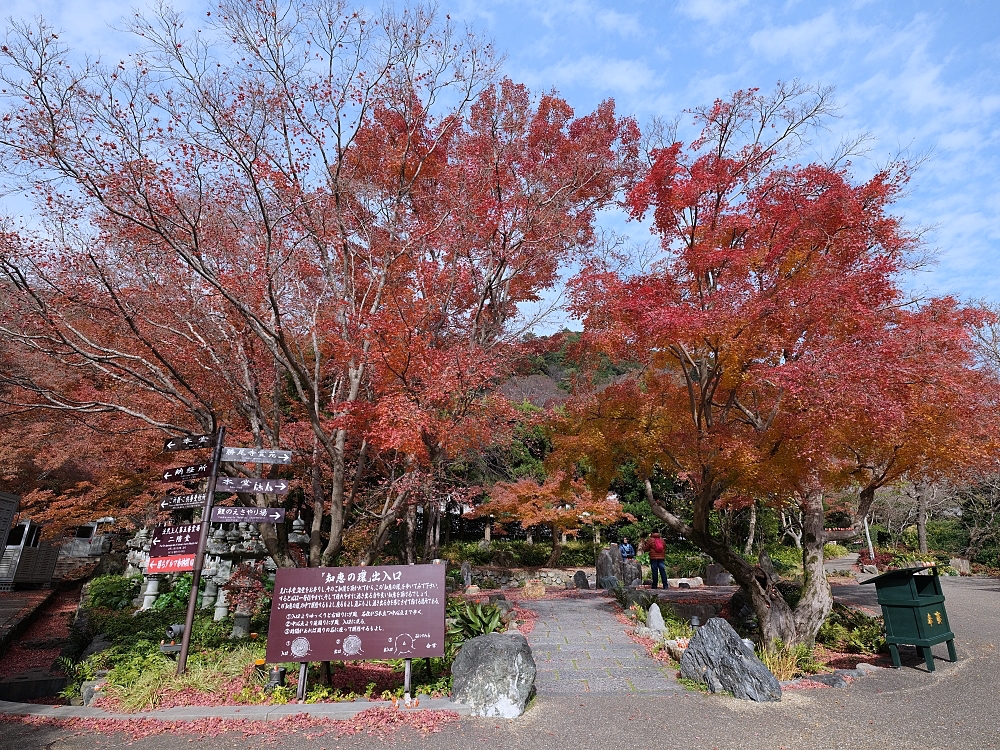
x=320, y=239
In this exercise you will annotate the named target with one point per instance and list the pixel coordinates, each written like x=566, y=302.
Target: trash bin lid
x=900, y=573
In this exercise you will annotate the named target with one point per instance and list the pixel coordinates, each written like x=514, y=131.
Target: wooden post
x=300, y=691
x=199, y=556
x=406, y=682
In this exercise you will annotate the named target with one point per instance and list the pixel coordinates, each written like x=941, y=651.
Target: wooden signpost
x=179, y=556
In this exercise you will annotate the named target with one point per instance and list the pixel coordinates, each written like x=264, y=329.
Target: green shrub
x=853, y=631
x=470, y=621
x=177, y=596
x=786, y=560
x=947, y=535
x=113, y=592
x=833, y=551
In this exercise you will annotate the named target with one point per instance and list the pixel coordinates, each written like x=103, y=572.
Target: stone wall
x=515, y=577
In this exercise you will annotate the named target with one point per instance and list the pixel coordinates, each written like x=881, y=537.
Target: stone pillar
x=211, y=592
x=221, y=606
x=152, y=591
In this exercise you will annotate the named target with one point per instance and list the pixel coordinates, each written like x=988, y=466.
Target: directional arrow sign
x=256, y=456
x=170, y=541
x=223, y=514
x=194, y=471
x=238, y=484
x=180, y=502
x=187, y=443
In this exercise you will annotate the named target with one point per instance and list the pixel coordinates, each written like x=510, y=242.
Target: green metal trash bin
x=913, y=610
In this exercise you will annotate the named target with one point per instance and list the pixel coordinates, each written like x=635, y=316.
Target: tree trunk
x=411, y=529
x=817, y=598
x=315, y=538
x=777, y=621
x=337, y=499
x=748, y=547
x=923, y=489
x=553, y=561
x=389, y=516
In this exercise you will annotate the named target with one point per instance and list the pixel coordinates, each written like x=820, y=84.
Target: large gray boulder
x=654, y=619
x=580, y=580
x=494, y=674
x=631, y=573
x=607, y=564
x=718, y=657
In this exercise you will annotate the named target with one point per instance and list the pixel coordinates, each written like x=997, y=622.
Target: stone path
x=579, y=647
x=841, y=563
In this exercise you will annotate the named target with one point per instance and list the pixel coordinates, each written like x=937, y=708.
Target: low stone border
x=345, y=710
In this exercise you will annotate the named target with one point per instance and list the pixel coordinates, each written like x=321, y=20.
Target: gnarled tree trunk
x=776, y=619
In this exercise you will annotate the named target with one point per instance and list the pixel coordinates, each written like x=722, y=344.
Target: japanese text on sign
x=384, y=612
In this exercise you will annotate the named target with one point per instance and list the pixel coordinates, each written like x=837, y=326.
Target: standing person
x=657, y=550
x=627, y=550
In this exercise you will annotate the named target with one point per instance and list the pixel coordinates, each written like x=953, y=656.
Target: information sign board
x=241, y=514
x=180, y=473
x=171, y=564
x=243, y=484
x=354, y=614
x=170, y=541
x=187, y=443
x=256, y=456
x=181, y=502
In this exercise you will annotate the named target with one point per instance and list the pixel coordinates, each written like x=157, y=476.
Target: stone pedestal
x=152, y=591
x=221, y=606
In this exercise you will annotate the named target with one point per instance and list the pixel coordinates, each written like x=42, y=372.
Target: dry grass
x=209, y=674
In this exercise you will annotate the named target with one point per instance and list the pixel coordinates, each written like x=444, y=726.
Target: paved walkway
x=580, y=647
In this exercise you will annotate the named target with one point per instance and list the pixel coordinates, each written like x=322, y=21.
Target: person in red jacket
x=657, y=550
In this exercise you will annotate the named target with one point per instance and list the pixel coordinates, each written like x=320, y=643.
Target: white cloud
x=710, y=11
x=803, y=41
x=604, y=74
x=625, y=25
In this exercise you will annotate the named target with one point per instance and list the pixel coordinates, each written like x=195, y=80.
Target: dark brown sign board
x=242, y=484
x=188, y=443
x=180, y=473
x=241, y=514
x=181, y=502
x=256, y=456
x=171, y=541
x=357, y=614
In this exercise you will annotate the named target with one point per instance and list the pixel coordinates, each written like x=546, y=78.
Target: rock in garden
x=831, y=680
x=471, y=589
x=608, y=583
x=716, y=575
x=869, y=569
x=607, y=565
x=654, y=619
x=534, y=588
x=580, y=580
x=718, y=657
x=466, y=573
x=494, y=674
x=91, y=690
x=631, y=573
x=962, y=565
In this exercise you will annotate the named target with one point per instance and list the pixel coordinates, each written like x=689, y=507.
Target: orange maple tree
x=562, y=503
x=774, y=354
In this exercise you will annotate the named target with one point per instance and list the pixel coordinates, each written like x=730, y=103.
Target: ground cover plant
x=223, y=671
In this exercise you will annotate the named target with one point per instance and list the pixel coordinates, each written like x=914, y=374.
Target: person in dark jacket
x=657, y=549
x=627, y=550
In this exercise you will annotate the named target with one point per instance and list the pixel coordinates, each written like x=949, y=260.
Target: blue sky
x=922, y=77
